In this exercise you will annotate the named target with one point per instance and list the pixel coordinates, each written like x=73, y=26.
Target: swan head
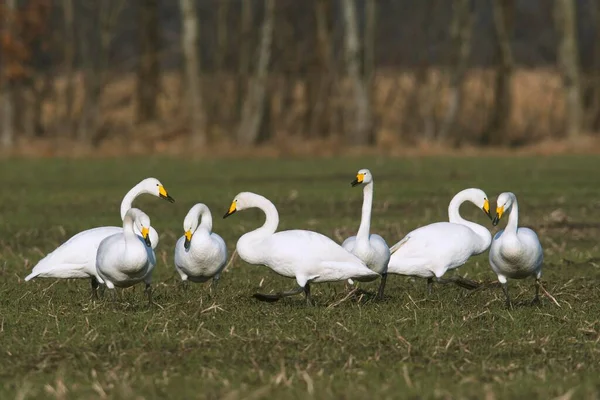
x=155, y=187
x=363, y=176
x=242, y=201
x=475, y=196
x=503, y=204
x=190, y=224
x=142, y=221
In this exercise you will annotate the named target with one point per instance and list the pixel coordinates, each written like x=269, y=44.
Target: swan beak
x=146, y=236
x=232, y=209
x=359, y=179
x=499, y=212
x=188, y=240
x=162, y=193
x=486, y=208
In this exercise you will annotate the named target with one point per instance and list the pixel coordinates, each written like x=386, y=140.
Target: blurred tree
x=253, y=109
x=358, y=120
x=369, y=57
x=245, y=52
x=148, y=75
x=504, y=15
x=568, y=60
x=190, y=47
x=69, y=62
x=95, y=31
x=591, y=92
x=460, y=34
x=9, y=69
x=222, y=37
x=320, y=79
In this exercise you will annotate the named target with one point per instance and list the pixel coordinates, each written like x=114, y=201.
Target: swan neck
x=128, y=199
x=271, y=218
x=128, y=227
x=365, y=220
x=454, y=209
x=513, y=218
x=455, y=218
x=205, y=219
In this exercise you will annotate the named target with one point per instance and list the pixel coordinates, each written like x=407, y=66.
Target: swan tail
x=47, y=270
x=31, y=276
x=401, y=243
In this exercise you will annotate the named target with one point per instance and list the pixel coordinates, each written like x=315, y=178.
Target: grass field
x=55, y=342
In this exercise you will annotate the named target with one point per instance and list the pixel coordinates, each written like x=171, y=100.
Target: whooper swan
x=76, y=258
x=200, y=254
x=305, y=255
x=515, y=253
x=431, y=250
x=370, y=248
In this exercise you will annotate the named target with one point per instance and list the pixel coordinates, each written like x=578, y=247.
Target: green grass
x=57, y=343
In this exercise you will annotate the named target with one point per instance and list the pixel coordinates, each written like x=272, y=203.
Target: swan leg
x=184, y=285
x=215, y=282
x=148, y=291
x=429, y=285
x=270, y=298
x=102, y=290
x=95, y=284
x=460, y=281
x=505, y=290
x=381, y=286
x=536, y=299
x=309, y=300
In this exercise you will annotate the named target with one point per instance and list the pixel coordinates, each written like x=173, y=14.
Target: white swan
x=124, y=259
x=305, y=255
x=200, y=254
x=515, y=252
x=76, y=258
x=431, y=250
x=370, y=248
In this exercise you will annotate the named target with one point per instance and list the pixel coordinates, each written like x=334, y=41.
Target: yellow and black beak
x=359, y=179
x=162, y=192
x=499, y=212
x=486, y=208
x=231, y=210
x=146, y=236
x=188, y=240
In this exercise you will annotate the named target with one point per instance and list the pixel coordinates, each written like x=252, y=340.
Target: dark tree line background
x=353, y=72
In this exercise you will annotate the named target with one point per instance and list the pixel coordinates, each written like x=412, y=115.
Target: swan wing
x=309, y=255
x=76, y=258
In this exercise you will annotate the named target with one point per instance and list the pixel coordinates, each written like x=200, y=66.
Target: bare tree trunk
x=253, y=109
x=501, y=112
x=7, y=94
x=358, y=114
x=593, y=103
x=568, y=60
x=189, y=44
x=244, y=55
x=460, y=32
x=222, y=38
x=369, y=56
x=69, y=63
x=95, y=64
x=320, y=79
x=148, y=76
